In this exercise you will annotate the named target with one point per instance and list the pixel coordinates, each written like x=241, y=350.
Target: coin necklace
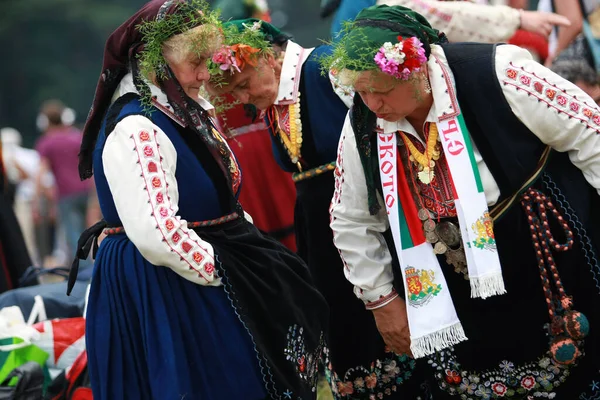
x=292, y=140
x=446, y=239
x=425, y=161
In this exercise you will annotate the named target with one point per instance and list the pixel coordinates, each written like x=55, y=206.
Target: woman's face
x=191, y=72
x=258, y=85
x=391, y=99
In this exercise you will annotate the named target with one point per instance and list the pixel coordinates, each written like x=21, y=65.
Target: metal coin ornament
x=446, y=239
x=448, y=233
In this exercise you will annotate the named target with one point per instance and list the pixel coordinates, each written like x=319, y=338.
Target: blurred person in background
x=14, y=257
x=573, y=65
x=463, y=21
x=22, y=168
x=562, y=38
x=58, y=148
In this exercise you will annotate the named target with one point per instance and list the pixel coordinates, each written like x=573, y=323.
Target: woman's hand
x=392, y=323
x=542, y=23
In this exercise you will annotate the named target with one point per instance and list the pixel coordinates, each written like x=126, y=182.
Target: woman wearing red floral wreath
x=269, y=192
x=485, y=166
x=260, y=65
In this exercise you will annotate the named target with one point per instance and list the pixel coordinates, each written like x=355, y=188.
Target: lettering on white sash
x=452, y=137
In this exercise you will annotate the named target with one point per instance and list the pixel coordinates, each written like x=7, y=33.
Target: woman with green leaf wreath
x=257, y=64
x=188, y=299
x=485, y=167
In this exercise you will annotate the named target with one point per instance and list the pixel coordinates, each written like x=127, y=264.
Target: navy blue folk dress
x=172, y=332
x=152, y=334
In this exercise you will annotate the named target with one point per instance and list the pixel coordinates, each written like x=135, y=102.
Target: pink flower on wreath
x=402, y=59
x=225, y=60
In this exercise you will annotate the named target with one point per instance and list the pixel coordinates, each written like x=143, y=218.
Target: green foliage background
x=53, y=49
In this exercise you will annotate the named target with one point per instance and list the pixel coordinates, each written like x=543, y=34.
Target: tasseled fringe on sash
x=427, y=345
x=487, y=286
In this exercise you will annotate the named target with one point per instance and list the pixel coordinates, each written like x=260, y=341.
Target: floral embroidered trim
x=402, y=59
x=381, y=378
x=338, y=174
x=306, y=362
x=382, y=301
x=198, y=257
x=553, y=96
x=532, y=380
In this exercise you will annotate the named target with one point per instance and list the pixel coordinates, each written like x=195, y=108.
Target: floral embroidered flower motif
x=538, y=86
x=525, y=80
x=574, y=106
x=163, y=212
x=307, y=361
x=156, y=183
x=511, y=73
x=148, y=151
x=152, y=167
x=159, y=198
x=186, y=246
x=383, y=378
x=402, y=59
x=528, y=382
x=176, y=237
x=197, y=257
x=562, y=100
x=144, y=136
x=499, y=389
x=588, y=113
x=532, y=380
x=507, y=366
x=209, y=268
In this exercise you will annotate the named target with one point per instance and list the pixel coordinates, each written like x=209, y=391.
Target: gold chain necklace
x=425, y=161
x=293, y=141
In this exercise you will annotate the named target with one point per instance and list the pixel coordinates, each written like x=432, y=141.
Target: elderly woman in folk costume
x=485, y=166
x=188, y=299
x=260, y=65
x=269, y=192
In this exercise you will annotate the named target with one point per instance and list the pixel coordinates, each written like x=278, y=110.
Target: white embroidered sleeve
x=463, y=21
x=139, y=163
x=559, y=113
x=357, y=234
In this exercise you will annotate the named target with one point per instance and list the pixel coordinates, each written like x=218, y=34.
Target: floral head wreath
x=240, y=48
x=402, y=59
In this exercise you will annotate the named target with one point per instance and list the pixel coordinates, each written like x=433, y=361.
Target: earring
x=427, y=86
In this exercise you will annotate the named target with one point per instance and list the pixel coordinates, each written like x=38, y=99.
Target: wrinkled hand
x=392, y=323
x=542, y=22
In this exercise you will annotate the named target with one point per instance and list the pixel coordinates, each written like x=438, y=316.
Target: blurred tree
x=54, y=50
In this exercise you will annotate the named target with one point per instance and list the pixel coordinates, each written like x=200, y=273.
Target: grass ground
x=323, y=391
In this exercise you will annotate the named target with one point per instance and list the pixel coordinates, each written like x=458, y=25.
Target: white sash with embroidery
x=433, y=322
